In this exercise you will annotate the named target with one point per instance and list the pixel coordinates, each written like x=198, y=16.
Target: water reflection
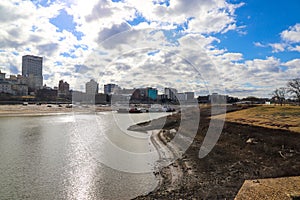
x=43, y=158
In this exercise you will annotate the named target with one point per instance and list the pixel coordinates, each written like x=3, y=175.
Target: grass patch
x=277, y=117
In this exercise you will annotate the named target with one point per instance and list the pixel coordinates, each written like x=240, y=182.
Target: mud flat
x=47, y=109
x=243, y=152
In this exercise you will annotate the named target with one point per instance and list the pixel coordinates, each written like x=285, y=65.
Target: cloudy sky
x=241, y=48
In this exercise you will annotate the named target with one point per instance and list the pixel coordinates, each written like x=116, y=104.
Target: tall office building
x=32, y=69
x=171, y=93
x=91, y=87
x=111, y=88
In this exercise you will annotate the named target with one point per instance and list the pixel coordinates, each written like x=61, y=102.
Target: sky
x=239, y=48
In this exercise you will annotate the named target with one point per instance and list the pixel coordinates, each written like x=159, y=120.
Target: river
x=62, y=156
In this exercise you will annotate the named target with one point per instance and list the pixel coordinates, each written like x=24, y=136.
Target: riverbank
x=48, y=109
x=242, y=152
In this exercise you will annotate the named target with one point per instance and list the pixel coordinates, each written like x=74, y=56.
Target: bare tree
x=294, y=88
x=279, y=95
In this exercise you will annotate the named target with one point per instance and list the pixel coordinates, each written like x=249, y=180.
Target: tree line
x=292, y=88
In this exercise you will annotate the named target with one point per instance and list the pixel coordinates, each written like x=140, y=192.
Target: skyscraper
x=111, y=88
x=91, y=87
x=32, y=69
x=171, y=93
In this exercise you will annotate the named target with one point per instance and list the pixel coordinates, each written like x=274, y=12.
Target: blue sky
x=264, y=22
x=242, y=48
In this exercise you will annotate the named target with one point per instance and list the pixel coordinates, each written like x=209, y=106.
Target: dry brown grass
x=269, y=116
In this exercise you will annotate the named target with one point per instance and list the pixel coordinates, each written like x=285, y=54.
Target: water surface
x=59, y=157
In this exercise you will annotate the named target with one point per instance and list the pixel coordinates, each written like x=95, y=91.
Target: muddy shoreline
x=242, y=152
x=48, y=109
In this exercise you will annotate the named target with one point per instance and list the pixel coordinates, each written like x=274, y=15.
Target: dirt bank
x=242, y=152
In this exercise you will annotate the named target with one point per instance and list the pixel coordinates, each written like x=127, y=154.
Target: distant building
x=63, y=89
x=181, y=97
x=80, y=97
x=19, y=79
x=2, y=76
x=171, y=93
x=6, y=88
x=32, y=69
x=101, y=98
x=152, y=93
x=91, y=87
x=20, y=89
x=46, y=94
x=111, y=88
x=146, y=95
x=14, y=85
x=190, y=96
x=13, y=89
x=124, y=91
x=143, y=93
x=162, y=98
x=216, y=98
x=121, y=96
x=203, y=99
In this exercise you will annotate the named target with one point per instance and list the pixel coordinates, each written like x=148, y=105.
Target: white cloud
x=205, y=16
x=292, y=34
x=270, y=64
x=111, y=50
x=290, y=38
x=293, y=69
x=256, y=77
x=258, y=44
x=295, y=48
x=293, y=63
x=278, y=47
x=28, y=31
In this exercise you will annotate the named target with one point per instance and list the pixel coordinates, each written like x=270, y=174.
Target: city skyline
x=91, y=86
x=63, y=91
x=252, y=47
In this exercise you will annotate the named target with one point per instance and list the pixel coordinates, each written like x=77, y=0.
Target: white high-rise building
x=32, y=69
x=91, y=87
